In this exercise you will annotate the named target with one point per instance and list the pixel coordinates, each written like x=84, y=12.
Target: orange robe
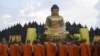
x=62, y=50
x=85, y=49
x=5, y=50
x=14, y=50
x=71, y=50
x=1, y=49
x=96, y=50
x=38, y=50
x=76, y=50
x=50, y=49
x=27, y=50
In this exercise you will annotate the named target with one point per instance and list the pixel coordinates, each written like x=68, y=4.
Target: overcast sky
x=86, y=12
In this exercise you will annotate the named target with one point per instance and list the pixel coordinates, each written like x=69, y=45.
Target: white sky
x=86, y=12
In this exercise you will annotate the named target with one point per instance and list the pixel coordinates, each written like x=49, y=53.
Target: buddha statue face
x=55, y=10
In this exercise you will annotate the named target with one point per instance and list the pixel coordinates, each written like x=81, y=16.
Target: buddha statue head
x=55, y=10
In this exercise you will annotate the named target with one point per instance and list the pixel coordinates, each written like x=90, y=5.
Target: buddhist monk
x=5, y=49
x=62, y=49
x=76, y=48
x=38, y=49
x=70, y=50
x=73, y=49
x=1, y=47
x=27, y=49
x=50, y=48
x=85, y=49
x=14, y=49
x=96, y=49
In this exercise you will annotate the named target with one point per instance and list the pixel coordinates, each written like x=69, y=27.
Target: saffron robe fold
x=73, y=50
x=50, y=49
x=62, y=50
x=14, y=50
x=27, y=50
x=85, y=49
x=38, y=50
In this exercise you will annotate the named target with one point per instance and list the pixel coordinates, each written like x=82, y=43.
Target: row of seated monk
x=49, y=48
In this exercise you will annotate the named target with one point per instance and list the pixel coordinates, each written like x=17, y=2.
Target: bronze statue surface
x=55, y=26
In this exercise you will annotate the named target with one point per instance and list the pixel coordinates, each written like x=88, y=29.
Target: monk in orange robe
x=76, y=49
x=96, y=49
x=38, y=49
x=50, y=49
x=1, y=48
x=70, y=50
x=14, y=49
x=5, y=49
x=62, y=49
x=27, y=49
x=73, y=49
x=85, y=49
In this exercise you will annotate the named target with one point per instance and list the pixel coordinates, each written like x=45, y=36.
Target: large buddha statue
x=55, y=26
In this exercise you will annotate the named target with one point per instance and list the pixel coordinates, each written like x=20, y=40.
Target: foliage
x=18, y=29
